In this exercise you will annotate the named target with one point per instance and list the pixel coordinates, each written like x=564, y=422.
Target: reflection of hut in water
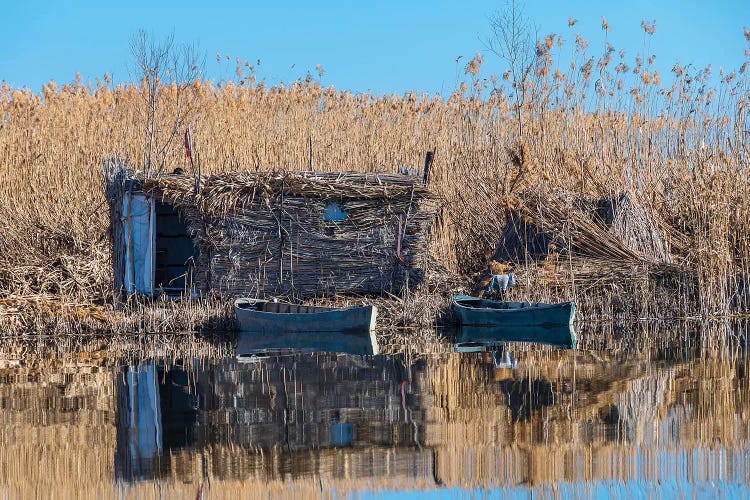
x=302, y=402
x=335, y=415
x=274, y=415
x=138, y=422
x=154, y=414
x=450, y=420
x=259, y=234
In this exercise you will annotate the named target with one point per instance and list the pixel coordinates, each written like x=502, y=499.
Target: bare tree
x=160, y=66
x=511, y=40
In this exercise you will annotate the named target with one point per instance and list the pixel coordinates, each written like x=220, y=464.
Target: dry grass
x=682, y=149
x=48, y=315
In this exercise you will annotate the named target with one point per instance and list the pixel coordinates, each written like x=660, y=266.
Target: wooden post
x=310, y=162
x=197, y=174
x=427, y=166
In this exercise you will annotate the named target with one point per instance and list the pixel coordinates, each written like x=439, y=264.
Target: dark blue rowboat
x=484, y=320
x=291, y=326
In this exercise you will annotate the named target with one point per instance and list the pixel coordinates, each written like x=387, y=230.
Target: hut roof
x=228, y=193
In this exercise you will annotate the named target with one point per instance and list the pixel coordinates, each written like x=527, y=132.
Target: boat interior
x=492, y=304
x=281, y=307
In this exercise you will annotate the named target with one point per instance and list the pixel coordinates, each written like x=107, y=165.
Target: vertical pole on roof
x=427, y=166
x=197, y=174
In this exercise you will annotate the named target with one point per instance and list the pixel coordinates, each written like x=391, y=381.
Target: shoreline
x=420, y=323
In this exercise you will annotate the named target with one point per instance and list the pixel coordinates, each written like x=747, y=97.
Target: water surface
x=526, y=419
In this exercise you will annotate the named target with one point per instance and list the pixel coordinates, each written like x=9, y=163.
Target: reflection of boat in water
x=257, y=345
x=479, y=338
x=486, y=323
x=474, y=311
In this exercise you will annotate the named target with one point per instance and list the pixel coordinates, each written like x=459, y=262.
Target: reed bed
x=604, y=125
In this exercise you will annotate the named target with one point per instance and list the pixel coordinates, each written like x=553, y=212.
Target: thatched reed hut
x=261, y=234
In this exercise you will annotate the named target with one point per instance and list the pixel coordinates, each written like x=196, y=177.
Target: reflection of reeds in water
x=611, y=419
x=57, y=432
x=50, y=352
x=558, y=416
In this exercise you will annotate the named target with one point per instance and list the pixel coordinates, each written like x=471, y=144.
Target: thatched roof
x=230, y=193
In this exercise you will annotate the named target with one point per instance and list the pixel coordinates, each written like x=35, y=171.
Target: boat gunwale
x=489, y=317
x=238, y=305
x=532, y=305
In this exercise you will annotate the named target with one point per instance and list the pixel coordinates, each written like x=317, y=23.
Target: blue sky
x=384, y=47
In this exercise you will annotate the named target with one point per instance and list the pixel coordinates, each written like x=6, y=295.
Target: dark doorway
x=175, y=252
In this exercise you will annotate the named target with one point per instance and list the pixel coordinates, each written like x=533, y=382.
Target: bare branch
x=511, y=41
x=162, y=68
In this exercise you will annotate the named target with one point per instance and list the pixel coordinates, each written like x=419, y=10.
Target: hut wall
x=289, y=249
x=131, y=232
x=114, y=178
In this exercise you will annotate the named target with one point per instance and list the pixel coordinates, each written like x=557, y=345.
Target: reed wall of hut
x=291, y=234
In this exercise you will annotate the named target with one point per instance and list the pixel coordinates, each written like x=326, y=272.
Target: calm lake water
x=522, y=420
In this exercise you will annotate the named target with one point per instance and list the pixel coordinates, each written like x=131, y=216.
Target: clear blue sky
x=388, y=46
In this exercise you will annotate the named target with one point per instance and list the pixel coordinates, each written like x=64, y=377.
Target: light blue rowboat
x=274, y=326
